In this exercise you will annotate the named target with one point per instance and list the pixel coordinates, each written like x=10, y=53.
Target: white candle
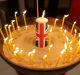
x=12, y=22
x=55, y=22
x=65, y=16
x=73, y=26
x=9, y=29
x=16, y=18
x=2, y=34
x=24, y=17
x=6, y=29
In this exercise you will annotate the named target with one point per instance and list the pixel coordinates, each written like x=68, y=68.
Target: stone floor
x=5, y=69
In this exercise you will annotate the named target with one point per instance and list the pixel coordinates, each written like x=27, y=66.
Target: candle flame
x=75, y=31
x=9, y=25
x=43, y=14
x=6, y=25
x=56, y=19
x=5, y=39
x=65, y=31
x=21, y=51
x=70, y=42
x=24, y=12
x=66, y=15
x=62, y=52
x=61, y=28
x=67, y=38
x=34, y=51
x=79, y=35
x=50, y=29
x=71, y=48
x=79, y=42
x=13, y=45
x=18, y=27
x=13, y=21
x=65, y=46
x=16, y=51
x=16, y=13
x=10, y=40
x=45, y=56
x=50, y=46
x=30, y=53
x=74, y=22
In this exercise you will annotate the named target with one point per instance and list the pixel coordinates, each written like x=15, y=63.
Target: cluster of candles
x=8, y=41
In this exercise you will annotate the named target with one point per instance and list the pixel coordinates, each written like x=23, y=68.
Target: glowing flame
x=79, y=42
x=67, y=38
x=74, y=22
x=9, y=25
x=16, y=51
x=50, y=46
x=6, y=25
x=24, y=12
x=16, y=13
x=45, y=56
x=5, y=39
x=61, y=28
x=65, y=46
x=43, y=14
x=66, y=15
x=51, y=30
x=10, y=40
x=21, y=51
x=71, y=48
x=63, y=51
x=75, y=31
x=79, y=35
x=56, y=19
x=13, y=21
x=34, y=51
x=65, y=31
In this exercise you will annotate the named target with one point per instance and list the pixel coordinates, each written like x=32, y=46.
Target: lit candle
x=65, y=31
x=18, y=54
x=31, y=56
x=24, y=17
x=9, y=28
x=6, y=29
x=49, y=36
x=6, y=43
x=78, y=48
x=12, y=22
x=60, y=56
x=73, y=26
x=7, y=47
x=37, y=8
x=75, y=35
x=65, y=16
x=11, y=42
x=41, y=31
x=44, y=60
x=18, y=28
x=49, y=49
x=55, y=22
x=2, y=34
x=16, y=51
x=16, y=18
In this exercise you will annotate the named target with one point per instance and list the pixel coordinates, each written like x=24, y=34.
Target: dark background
x=53, y=7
